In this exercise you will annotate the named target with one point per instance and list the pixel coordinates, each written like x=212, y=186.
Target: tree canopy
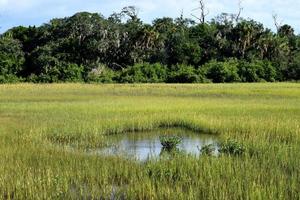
x=121, y=48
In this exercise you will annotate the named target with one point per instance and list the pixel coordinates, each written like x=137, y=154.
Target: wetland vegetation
x=63, y=135
x=257, y=126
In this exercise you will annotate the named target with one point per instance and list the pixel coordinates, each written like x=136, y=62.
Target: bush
x=61, y=72
x=9, y=78
x=102, y=74
x=269, y=71
x=70, y=72
x=256, y=71
x=144, y=73
x=32, y=78
x=183, y=74
x=221, y=72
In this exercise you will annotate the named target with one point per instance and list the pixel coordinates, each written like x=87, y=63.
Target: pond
x=146, y=145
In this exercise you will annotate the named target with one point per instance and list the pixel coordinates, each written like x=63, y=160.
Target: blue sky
x=37, y=12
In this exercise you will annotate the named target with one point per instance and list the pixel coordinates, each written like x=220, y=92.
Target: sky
x=36, y=12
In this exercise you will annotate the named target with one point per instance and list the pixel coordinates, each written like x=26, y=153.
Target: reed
x=39, y=122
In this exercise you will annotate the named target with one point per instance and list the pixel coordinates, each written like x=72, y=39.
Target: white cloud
x=25, y=12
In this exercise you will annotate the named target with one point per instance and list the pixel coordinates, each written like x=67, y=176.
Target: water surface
x=146, y=145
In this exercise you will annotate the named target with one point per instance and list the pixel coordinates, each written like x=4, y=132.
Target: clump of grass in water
x=207, y=149
x=170, y=142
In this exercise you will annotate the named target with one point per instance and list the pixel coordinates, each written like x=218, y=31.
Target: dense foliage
x=121, y=48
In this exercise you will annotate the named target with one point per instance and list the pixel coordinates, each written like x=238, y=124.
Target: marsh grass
x=170, y=142
x=230, y=147
x=264, y=118
x=207, y=149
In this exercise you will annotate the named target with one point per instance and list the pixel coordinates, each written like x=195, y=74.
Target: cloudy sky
x=37, y=12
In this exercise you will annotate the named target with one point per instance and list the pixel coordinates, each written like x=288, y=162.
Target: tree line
x=88, y=47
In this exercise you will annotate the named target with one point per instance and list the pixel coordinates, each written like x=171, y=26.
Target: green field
x=39, y=122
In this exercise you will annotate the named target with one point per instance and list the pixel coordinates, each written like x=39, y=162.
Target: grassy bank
x=37, y=121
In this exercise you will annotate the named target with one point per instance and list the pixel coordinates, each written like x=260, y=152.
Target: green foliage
x=70, y=72
x=61, y=72
x=207, y=149
x=269, y=71
x=230, y=147
x=9, y=78
x=11, y=57
x=183, y=74
x=256, y=71
x=226, y=50
x=144, y=73
x=292, y=72
x=286, y=31
x=170, y=142
x=233, y=70
x=181, y=48
x=101, y=74
x=221, y=72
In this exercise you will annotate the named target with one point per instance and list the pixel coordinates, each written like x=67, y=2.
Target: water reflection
x=145, y=145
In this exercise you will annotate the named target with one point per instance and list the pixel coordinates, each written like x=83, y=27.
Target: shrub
x=9, y=78
x=269, y=71
x=256, y=71
x=61, y=72
x=231, y=148
x=102, y=74
x=221, y=72
x=32, y=78
x=70, y=72
x=183, y=74
x=144, y=73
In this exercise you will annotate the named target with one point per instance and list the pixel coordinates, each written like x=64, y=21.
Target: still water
x=146, y=145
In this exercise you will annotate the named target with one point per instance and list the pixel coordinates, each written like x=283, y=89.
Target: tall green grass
x=37, y=121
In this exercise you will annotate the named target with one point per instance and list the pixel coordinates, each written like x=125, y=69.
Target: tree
x=11, y=58
x=240, y=9
x=203, y=12
x=75, y=49
x=277, y=23
x=286, y=31
x=292, y=72
x=245, y=36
